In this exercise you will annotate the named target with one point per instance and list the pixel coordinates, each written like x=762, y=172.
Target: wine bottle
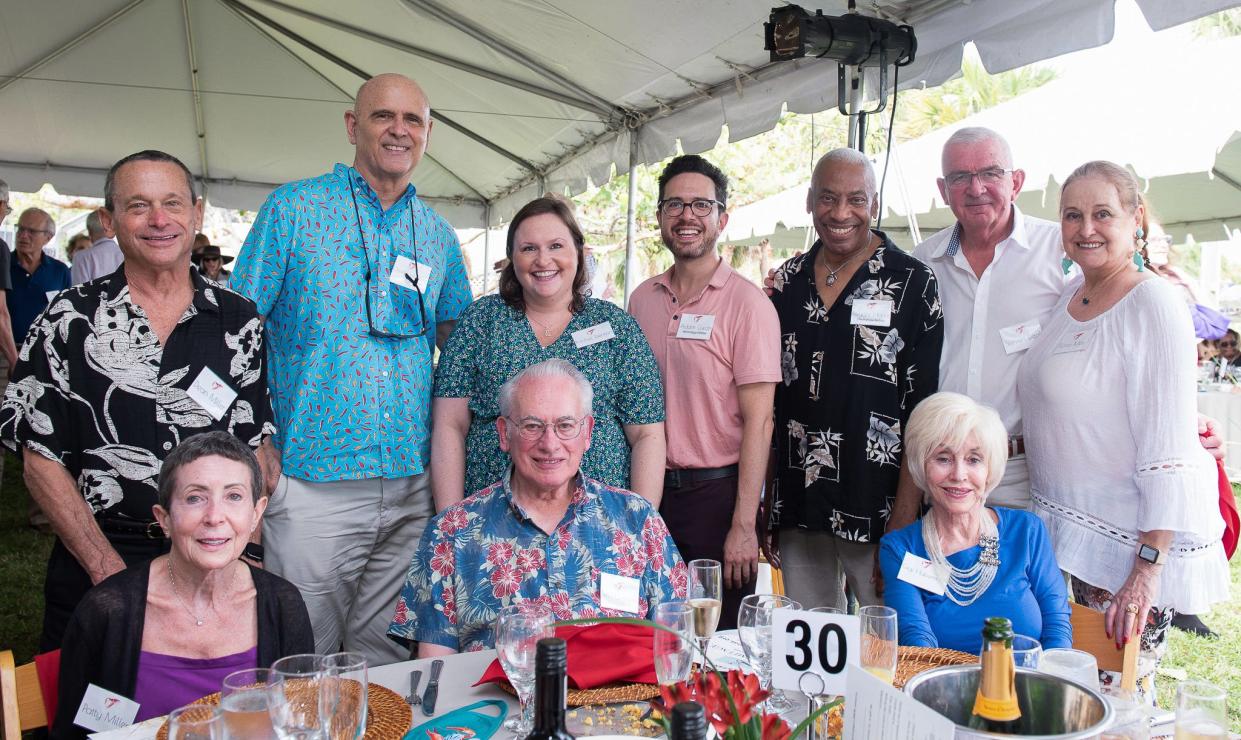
x=550, y=689
x=995, y=705
x=689, y=722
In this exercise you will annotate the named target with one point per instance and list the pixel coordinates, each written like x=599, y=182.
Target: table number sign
x=813, y=643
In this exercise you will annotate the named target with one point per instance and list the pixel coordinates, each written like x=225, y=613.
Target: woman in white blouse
x=1108, y=398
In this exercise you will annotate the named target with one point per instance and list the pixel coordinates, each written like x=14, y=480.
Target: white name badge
x=618, y=592
x=1074, y=341
x=874, y=710
x=213, y=394
x=1019, y=337
x=404, y=270
x=921, y=572
x=810, y=650
x=593, y=334
x=695, y=326
x=874, y=312
x=101, y=710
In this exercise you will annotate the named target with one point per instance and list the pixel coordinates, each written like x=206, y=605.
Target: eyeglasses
x=699, y=206
x=532, y=429
x=28, y=230
x=1228, y=344
x=411, y=279
x=211, y=259
x=989, y=176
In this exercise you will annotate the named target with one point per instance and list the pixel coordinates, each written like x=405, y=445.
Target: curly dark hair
x=510, y=288
x=692, y=163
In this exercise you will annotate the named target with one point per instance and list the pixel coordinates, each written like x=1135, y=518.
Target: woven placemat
x=614, y=693
x=914, y=660
x=388, y=716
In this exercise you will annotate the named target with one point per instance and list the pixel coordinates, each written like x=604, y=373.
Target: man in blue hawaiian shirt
x=356, y=279
x=545, y=533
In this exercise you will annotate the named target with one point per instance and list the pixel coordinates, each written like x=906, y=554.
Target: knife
x=433, y=689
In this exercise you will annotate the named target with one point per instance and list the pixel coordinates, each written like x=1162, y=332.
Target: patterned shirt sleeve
x=425, y=609
x=455, y=296
x=259, y=274
x=38, y=399
x=922, y=373
x=641, y=396
x=666, y=577
x=458, y=366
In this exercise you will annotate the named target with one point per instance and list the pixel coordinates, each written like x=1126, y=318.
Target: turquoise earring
x=1066, y=264
x=1137, y=253
x=1137, y=260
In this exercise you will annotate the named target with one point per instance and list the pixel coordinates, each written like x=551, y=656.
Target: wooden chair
x=1090, y=635
x=21, y=701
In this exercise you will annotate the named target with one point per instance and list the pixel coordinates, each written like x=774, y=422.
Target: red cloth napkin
x=1228, y=510
x=47, y=668
x=600, y=654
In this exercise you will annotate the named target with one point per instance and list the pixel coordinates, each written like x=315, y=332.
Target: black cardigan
x=104, y=637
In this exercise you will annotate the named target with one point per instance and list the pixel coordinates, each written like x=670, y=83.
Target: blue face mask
x=473, y=722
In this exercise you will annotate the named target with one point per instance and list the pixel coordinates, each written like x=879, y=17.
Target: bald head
x=389, y=126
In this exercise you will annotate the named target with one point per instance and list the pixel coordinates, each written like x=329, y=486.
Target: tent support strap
x=631, y=259
x=486, y=245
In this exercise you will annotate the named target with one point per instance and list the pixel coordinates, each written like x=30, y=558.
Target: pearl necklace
x=970, y=582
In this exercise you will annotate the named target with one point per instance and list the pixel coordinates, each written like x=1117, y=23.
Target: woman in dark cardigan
x=167, y=632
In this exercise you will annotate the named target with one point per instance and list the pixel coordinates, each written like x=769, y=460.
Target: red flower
x=453, y=520
x=500, y=553
x=746, y=693
x=444, y=561
x=530, y=560
x=402, y=612
x=628, y=566
x=680, y=580
x=505, y=580
x=775, y=728
x=450, y=605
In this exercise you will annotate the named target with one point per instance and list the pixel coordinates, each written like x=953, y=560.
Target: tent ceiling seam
x=70, y=44
x=200, y=126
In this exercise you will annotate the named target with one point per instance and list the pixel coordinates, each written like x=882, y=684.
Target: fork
x=414, y=699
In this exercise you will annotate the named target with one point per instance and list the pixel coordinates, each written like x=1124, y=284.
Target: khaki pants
x=347, y=545
x=816, y=566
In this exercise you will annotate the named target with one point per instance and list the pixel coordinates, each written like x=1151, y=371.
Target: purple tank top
x=166, y=682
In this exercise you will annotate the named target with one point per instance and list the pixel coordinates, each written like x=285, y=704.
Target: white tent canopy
x=1172, y=123
x=526, y=94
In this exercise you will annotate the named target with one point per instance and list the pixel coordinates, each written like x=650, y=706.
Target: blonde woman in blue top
x=984, y=562
x=540, y=313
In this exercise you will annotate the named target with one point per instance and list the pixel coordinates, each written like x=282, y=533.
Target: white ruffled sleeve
x=1175, y=477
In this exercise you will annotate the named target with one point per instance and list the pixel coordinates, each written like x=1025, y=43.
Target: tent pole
x=631, y=215
x=486, y=244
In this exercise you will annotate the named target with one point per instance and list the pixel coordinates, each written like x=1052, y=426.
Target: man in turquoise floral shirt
x=545, y=533
x=356, y=279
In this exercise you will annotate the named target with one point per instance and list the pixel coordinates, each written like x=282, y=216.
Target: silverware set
x=430, y=694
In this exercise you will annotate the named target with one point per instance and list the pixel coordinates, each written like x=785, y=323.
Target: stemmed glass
x=519, y=628
x=754, y=628
x=243, y=699
x=673, y=652
x=342, y=696
x=196, y=722
x=293, y=697
x=706, y=597
x=879, y=646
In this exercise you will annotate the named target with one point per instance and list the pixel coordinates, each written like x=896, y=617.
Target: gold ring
x=1132, y=608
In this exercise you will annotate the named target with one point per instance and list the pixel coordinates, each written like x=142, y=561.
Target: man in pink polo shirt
x=716, y=338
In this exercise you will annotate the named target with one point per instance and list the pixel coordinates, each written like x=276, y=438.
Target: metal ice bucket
x=1051, y=707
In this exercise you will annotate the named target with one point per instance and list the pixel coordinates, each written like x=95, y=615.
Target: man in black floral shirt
x=116, y=372
x=861, y=332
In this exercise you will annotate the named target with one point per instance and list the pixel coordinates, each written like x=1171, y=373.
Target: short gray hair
x=946, y=419
x=4, y=190
x=94, y=224
x=50, y=223
x=198, y=446
x=975, y=135
x=553, y=368
x=852, y=158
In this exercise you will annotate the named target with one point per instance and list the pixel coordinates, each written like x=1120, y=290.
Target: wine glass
x=879, y=646
x=519, y=628
x=293, y=697
x=673, y=652
x=342, y=696
x=1027, y=652
x=243, y=700
x=706, y=597
x=196, y=722
x=754, y=627
x=1200, y=710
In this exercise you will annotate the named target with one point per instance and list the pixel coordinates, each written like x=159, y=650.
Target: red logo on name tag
x=110, y=702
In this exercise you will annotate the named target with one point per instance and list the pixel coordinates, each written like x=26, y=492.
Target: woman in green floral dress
x=541, y=313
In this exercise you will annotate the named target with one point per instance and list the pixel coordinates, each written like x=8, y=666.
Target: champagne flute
x=243, y=700
x=879, y=646
x=754, y=627
x=342, y=696
x=706, y=597
x=196, y=722
x=293, y=697
x=1200, y=711
x=519, y=628
x=673, y=652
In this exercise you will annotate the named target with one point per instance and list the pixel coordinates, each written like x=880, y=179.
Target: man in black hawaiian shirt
x=861, y=332
x=115, y=373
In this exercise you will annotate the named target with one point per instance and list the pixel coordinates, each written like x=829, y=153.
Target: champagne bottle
x=995, y=705
x=689, y=722
x=550, y=689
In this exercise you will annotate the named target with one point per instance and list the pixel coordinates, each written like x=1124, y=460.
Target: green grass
x=23, y=561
